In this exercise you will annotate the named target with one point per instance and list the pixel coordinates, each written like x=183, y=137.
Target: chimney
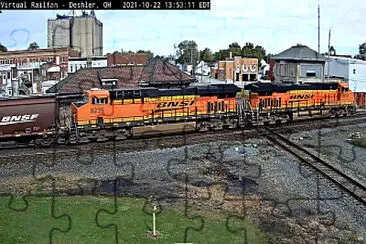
x=231, y=55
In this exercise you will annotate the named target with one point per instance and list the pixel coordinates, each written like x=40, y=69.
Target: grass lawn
x=360, y=142
x=129, y=222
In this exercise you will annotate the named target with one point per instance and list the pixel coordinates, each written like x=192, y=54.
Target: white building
x=353, y=71
x=202, y=69
x=76, y=63
x=6, y=78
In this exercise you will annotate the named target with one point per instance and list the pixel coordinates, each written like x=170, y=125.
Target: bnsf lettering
x=175, y=104
x=302, y=96
x=15, y=119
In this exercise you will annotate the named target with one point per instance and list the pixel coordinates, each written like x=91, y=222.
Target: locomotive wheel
x=332, y=113
x=217, y=125
x=122, y=134
x=203, y=126
x=231, y=123
x=350, y=111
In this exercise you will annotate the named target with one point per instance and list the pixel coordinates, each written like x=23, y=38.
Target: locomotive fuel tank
x=27, y=116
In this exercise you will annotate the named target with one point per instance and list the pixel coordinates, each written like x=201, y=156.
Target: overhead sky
x=276, y=25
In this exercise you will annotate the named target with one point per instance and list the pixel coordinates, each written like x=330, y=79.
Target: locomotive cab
x=344, y=93
x=93, y=109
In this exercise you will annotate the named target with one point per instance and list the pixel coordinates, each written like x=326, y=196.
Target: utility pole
x=329, y=52
x=319, y=28
x=329, y=41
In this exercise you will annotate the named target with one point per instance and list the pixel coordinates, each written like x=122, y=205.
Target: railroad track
x=345, y=182
x=193, y=137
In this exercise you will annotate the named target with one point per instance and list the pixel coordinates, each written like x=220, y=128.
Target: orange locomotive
x=271, y=103
x=119, y=114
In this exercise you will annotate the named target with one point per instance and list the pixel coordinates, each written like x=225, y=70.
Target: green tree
x=188, y=53
x=362, y=48
x=207, y=56
x=217, y=56
x=235, y=49
x=33, y=46
x=3, y=48
x=267, y=57
x=224, y=54
x=249, y=51
x=150, y=54
x=361, y=51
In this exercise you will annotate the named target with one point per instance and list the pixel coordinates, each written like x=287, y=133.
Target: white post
x=154, y=231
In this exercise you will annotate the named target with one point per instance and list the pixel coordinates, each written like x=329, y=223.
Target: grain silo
x=83, y=33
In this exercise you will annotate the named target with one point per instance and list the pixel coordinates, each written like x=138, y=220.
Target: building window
x=33, y=60
x=354, y=71
x=8, y=73
x=310, y=73
x=11, y=61
x=71, y=67
x=7, y=62
x=39, y=60
x=63, y=59
x=1, y=62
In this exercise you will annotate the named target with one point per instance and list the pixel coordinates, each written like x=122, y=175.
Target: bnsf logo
x=302, y=96
x=18, y=119
x=175, y=104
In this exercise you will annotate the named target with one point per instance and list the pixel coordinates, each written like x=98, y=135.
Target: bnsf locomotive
x=124, y=113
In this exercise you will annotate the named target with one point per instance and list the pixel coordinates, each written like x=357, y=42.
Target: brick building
x=117, y=59
x=57, y=56
x=24, y=71
x=76, y=63
x=236, y=69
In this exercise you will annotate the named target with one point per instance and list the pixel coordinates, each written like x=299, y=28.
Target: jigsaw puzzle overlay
x=198, y=189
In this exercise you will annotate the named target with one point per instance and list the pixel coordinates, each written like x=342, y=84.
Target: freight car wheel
x=45, y=142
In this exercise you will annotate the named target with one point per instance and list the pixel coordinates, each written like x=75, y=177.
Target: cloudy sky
x=276, y=25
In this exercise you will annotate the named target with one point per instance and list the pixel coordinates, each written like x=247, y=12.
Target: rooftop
x=157, y=72
x=300, y=53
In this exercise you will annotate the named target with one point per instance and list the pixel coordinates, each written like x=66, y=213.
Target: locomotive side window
x=99, y=101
